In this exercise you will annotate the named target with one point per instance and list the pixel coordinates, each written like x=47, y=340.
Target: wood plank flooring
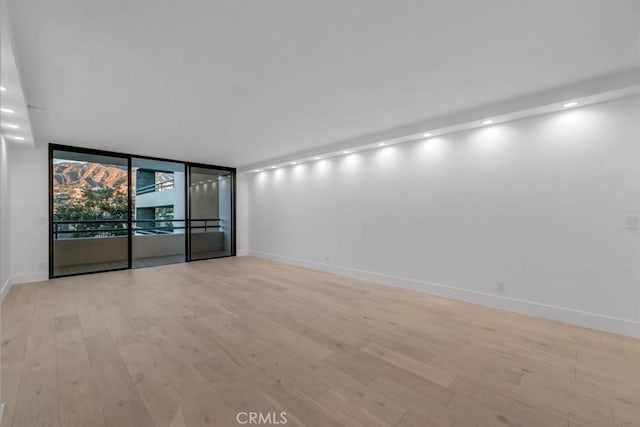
x=194, y=344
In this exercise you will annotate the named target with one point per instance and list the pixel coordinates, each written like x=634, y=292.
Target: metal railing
x=152, y=188
x=89, y=228
x=101, y=228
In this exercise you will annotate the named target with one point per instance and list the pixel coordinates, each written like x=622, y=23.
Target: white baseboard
x=563, y=314
x=20, y=278
x=5, y=289
x=28, y=278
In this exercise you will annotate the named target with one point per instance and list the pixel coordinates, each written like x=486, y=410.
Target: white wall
x=5, y=257
x=29, y=213
x=538, y=205
x=242, y=215
x=5, y=272
x=5, y=253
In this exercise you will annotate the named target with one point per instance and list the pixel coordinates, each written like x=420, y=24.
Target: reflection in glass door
x=158, y=212
x=211, y=232
x=89, y=228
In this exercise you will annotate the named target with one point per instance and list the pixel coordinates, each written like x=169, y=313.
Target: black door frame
x=188, y=208
x=83, y=150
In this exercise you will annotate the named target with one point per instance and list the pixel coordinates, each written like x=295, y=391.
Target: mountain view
x=89, y=191
x=86, y=192
x=92, y=175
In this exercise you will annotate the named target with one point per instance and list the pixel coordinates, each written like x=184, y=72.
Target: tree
x=95, y=204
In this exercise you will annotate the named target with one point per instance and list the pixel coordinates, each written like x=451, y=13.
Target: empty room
x=376, y=213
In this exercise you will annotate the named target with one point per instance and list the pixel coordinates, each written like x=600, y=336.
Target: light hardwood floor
x=194, y=344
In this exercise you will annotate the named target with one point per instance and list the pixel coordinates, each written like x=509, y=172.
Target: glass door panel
x=211, y=224
x=158, y=212
x=90, y=197
x=111, y=211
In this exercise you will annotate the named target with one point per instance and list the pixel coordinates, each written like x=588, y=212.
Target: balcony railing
x=100, y=228
x=158, y=186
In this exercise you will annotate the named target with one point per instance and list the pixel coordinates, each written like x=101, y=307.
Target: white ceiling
x=239, y=81
x=14, y=117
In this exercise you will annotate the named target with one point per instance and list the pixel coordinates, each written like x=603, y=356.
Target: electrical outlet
x=500, y=287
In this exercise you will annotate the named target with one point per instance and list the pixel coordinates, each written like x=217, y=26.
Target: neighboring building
x=159, y=202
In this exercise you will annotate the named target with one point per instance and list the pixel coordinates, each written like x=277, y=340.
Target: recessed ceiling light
x=487, y=122
x=13, y=126
x=19, y=138
x=346, y=151
x=2, y=89
x=273, y=167
x=426, y=135
x=317, y=158
x=293, y=163
x=257, y=170
x=381, y=144
x=7, y=110
x=570, y=104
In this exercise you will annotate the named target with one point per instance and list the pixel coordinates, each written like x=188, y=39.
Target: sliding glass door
x=211, y=213
x=111, y=211
x=158, y=212
x=90, y=205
